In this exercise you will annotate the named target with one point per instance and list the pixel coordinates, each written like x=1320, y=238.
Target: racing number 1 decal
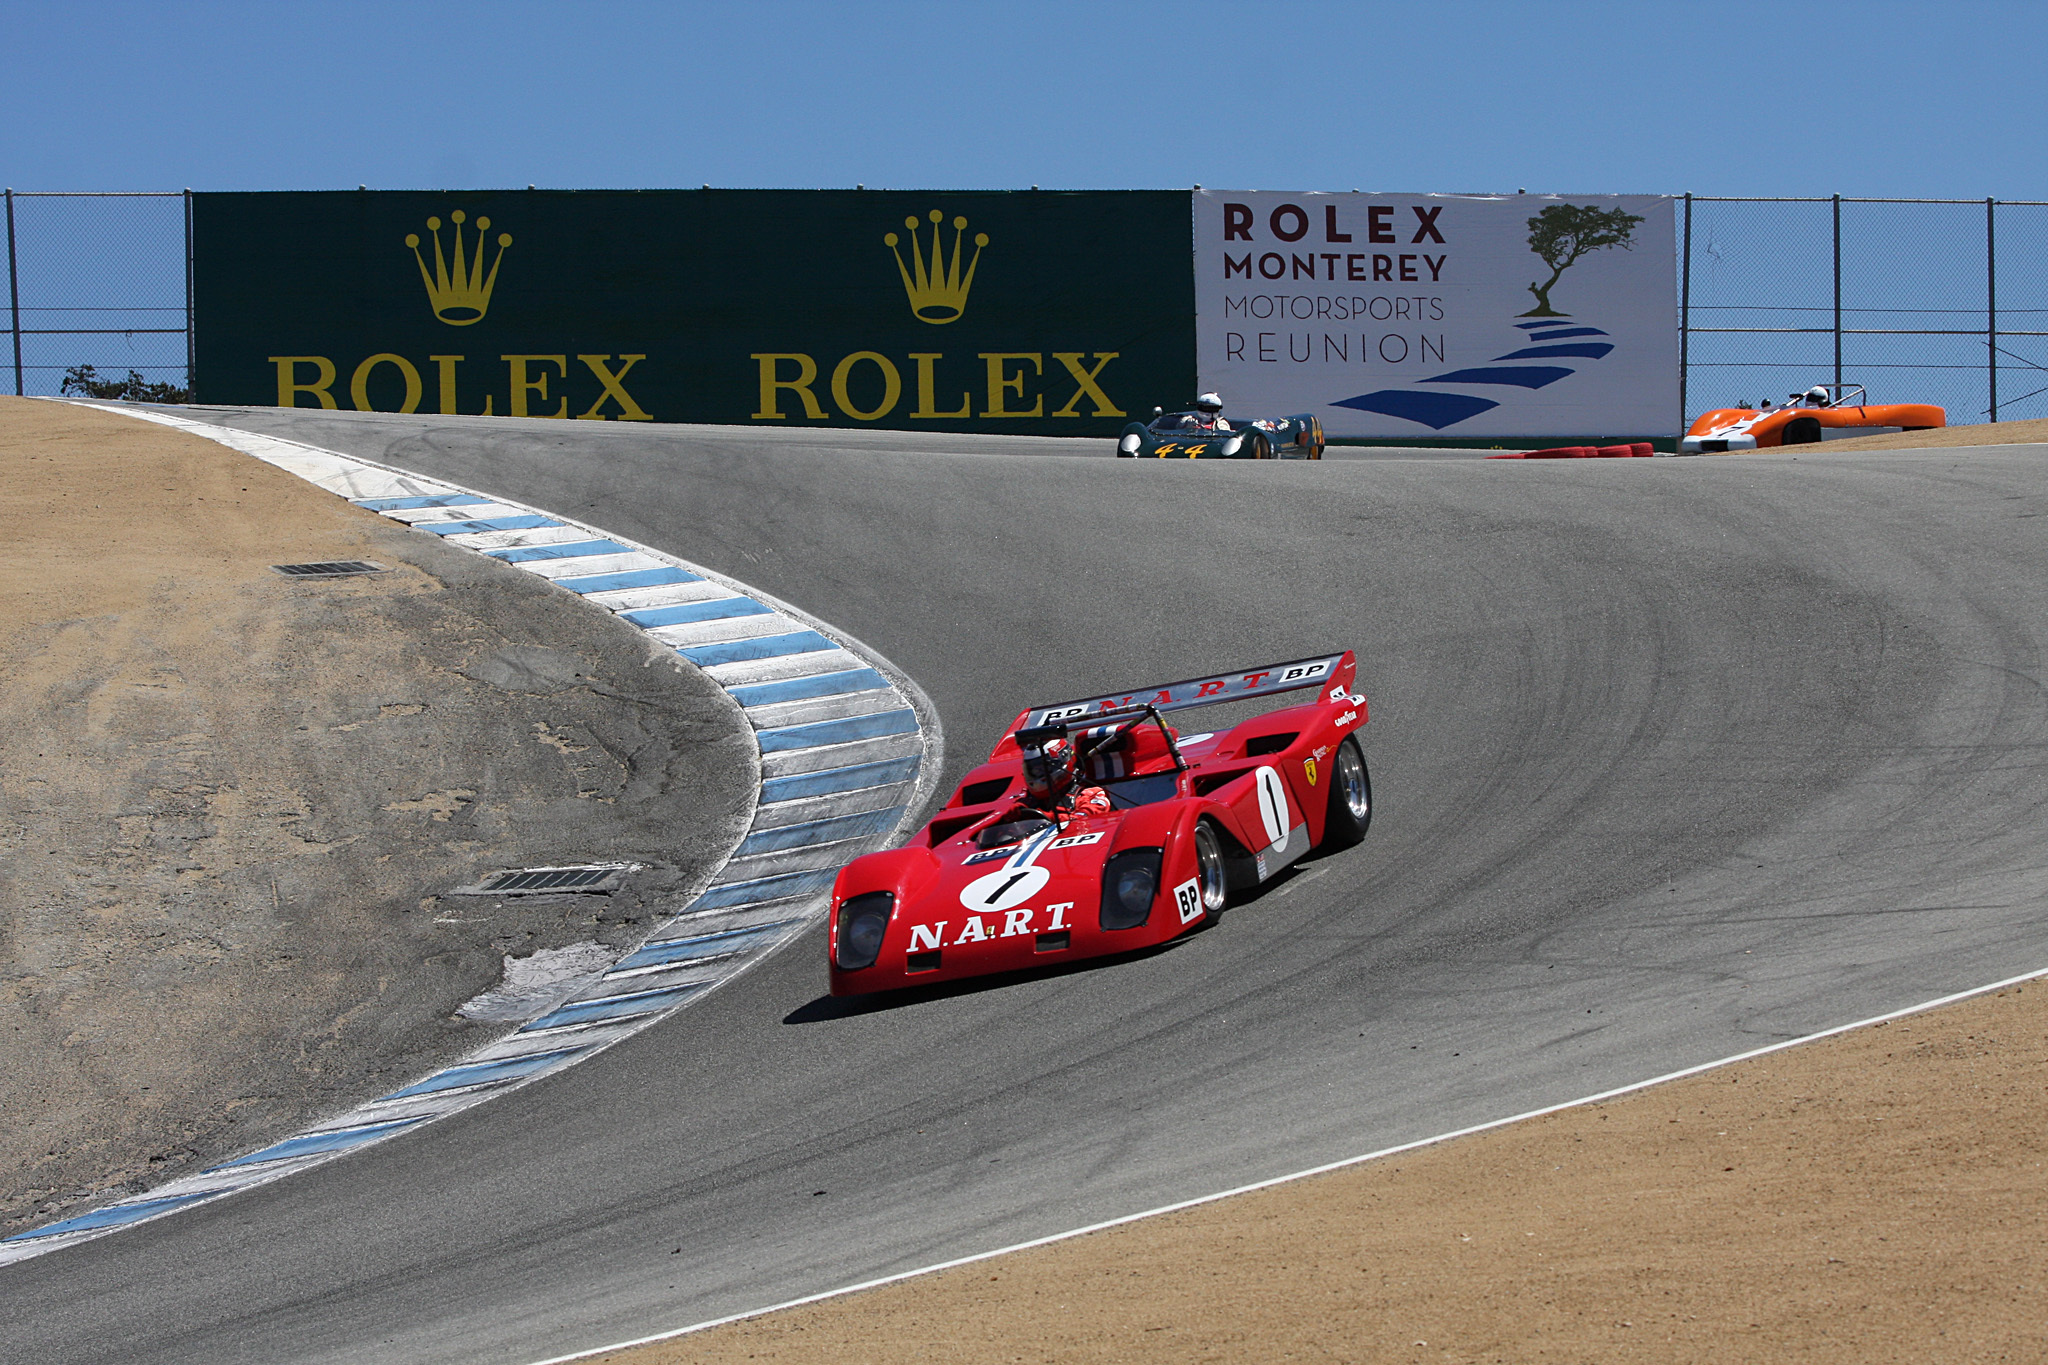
x=1273, y=806
x=1003, y=888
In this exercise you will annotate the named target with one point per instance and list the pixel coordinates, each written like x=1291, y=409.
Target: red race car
x=1096, y=828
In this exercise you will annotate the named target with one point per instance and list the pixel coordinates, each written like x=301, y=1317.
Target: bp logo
x=938, y=291
x=461, y=295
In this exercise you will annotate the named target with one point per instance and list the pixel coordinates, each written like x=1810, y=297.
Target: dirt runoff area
x=1876, y=1196
x=232, y=804
x=2031, y=432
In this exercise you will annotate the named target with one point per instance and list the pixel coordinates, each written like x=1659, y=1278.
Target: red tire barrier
x=1634, y=449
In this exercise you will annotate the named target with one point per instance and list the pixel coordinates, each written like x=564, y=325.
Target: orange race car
x=1823, y=412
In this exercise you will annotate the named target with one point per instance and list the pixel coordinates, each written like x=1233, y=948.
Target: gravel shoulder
x=231, y=804
x=1878, y=1195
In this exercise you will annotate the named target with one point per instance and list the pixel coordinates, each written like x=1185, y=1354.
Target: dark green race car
x=1197, y=436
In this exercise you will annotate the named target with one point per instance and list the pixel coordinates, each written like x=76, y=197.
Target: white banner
x=1437, y=315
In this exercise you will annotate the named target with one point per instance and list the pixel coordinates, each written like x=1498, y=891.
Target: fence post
x=1838, y=291
x=1684, y=315
x=1991, y=297
x=191, y=340
x=13, y=295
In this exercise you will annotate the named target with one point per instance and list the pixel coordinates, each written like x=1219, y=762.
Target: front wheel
x=1801, y=431
x=1350, y=797
x=1214, y=886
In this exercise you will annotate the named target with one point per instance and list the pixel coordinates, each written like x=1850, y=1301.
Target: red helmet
x=1049, y=770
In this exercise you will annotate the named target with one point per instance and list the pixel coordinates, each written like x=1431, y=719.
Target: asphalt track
x=1672, y=759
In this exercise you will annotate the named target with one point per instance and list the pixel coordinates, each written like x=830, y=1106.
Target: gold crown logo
x=938, y=294
x=460, y=296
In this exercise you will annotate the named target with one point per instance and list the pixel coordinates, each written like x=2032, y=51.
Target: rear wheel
x=1215, y=886
x=1350, y=797
x=1801, y=431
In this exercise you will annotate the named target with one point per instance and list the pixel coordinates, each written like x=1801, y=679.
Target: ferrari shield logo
x=1309, y=766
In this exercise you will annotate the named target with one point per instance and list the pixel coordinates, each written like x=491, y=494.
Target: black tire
x=1209, y=870
x=1801, y=431
x=1257, y=448
x=1350, y=810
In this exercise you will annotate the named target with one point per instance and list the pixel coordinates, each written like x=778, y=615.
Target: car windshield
x=1011, y=831
x=1176, y=422
x=1142, y=791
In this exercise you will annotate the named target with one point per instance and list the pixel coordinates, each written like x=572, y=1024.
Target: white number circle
x=1002, y=889
x=1273, y=805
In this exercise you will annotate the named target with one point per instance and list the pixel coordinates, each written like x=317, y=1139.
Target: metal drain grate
x=593, y=878
x=337, y=568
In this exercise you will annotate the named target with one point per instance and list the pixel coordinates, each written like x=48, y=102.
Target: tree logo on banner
x=1562, y=233
x=937, y=290
x=462, y=295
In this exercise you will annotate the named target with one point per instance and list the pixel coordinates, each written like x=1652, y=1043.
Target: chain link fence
x=101, y=281
x=1920, y=300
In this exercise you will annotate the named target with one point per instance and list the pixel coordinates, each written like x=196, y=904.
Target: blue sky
x=1924, y=99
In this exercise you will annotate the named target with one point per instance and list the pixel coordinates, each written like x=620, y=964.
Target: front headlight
x=1129, y=444
x=1130, y=880
x=1233, y=445
x=862, y=922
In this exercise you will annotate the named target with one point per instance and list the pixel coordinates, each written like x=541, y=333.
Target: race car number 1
x=1273, y=806
x=1000, y=890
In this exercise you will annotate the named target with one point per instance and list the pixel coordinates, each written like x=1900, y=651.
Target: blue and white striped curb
x=849, y=750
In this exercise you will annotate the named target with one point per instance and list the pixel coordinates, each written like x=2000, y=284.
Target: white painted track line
x=1290, y=1178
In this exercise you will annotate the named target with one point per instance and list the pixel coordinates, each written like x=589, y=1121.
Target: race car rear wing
x=1336, y=671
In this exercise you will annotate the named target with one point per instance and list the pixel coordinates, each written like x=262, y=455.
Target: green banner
x=1049, y=313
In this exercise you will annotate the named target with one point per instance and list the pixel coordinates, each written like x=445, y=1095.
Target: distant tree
x=85, y=380
x=1562, y=233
